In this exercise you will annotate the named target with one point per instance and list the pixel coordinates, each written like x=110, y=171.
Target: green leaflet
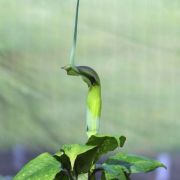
x=91, y=78
x=133, y=163
x=105, y=144
x=72, y=151
x=43, y=167
x=113, y=172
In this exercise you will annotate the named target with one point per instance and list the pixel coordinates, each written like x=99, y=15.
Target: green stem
x=73, y=50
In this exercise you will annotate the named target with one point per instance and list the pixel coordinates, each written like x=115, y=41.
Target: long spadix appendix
x=94, y=101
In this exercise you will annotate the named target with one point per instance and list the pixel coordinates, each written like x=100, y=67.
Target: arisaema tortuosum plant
x=81, y=161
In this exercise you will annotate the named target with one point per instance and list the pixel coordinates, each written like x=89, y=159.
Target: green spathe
x=91, y=78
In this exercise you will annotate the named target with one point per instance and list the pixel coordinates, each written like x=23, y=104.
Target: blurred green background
x=133, y=45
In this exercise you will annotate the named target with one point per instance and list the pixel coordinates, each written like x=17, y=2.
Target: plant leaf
x=104, y=144
x=113, y=172
x=62, y=176
x=83, y=176
x=64, y=160
x=72, y=151
x=45, y=167
x=84, y=162
x=122, y=140
x=133, y=163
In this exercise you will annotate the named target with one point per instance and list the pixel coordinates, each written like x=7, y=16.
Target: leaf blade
x=133, y=163
x=104, y=144
x=113, y=172
x=72, y=151
x=43, y=167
